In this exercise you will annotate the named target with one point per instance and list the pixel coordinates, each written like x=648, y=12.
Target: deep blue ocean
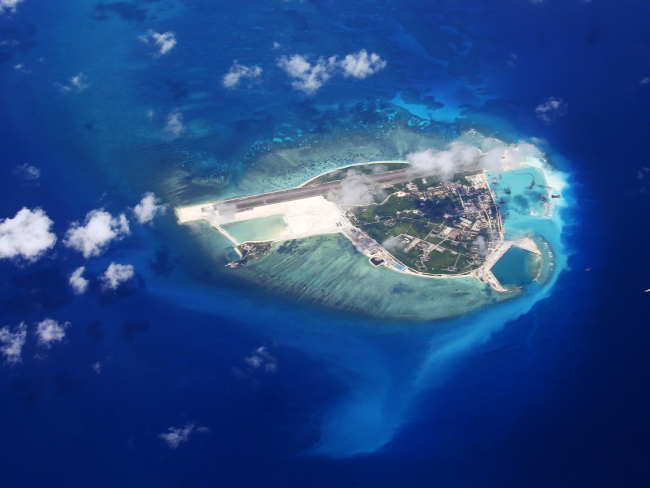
x=265, y=390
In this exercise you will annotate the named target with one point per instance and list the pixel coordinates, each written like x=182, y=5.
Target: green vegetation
x=452, y=247
x=409, y=259
x=433, y=240
x=430, y=182
x=419, y=229
x=250, y=252
x=401, y=228
x=394, y=204
x=365, y=169
x=460, y=177
x=438, y=261
x=463, y=263
x=423, y=209
x=395, y=218
x=377, y=231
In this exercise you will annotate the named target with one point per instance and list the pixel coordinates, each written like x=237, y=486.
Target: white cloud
x=239, y=71
x=253, y=361
x=360, y=65
x=79, y=283
x=443, y=164
x=493, y=154
x=551, y=109
x=11, y=343
x=148, y=207
x=49, y=331
x=97, y=367
x=539, y=141
x=262, y=358
x=62, y=88
x=175, y=123
x=356, y=189
x=115, y=275
x=277, y=45
x=28, y=172
x=21, y=67
x=27, y=235
x=645, y=80
x=9, y=5
x=225, y=211
x=481, y=244
x=309, y=78
x=99, y=229
x=176, y=436
x=393, y=243
x=80, y=82
x=165, y=41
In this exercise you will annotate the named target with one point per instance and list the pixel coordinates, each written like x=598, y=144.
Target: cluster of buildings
x=369, y=247
x=473, y=212
x=467, y=211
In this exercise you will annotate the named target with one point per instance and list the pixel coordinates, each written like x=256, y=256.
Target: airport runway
x=244, y=203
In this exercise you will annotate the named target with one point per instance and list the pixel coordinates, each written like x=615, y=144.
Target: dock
x=485, y=275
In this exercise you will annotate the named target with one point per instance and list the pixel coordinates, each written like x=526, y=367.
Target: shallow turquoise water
x=523, y=209
x=231, y=147
x=516, y=268
x=262, y=229
x=329, y=271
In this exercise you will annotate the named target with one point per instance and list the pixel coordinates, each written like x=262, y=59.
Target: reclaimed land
x=328, y=270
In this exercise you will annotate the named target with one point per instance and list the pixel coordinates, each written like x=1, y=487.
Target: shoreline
x=348, y=166
x=320, y=217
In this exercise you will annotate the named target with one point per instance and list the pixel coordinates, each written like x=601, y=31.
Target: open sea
x=310, y=368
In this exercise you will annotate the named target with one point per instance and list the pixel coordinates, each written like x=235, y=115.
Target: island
x=409, y=223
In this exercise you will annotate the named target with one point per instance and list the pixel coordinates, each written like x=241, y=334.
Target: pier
x=484, y=273
x=307, y=212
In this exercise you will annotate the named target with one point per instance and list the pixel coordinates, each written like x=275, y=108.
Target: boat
x=556, y=196
x=542, y=197
x=507, y=190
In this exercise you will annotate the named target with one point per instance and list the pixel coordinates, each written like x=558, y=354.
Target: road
x=244, y=203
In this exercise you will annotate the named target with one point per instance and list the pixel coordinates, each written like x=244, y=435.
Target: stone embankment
x=484, y=273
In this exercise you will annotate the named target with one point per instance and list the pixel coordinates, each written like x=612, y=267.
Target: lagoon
x=260, y=229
